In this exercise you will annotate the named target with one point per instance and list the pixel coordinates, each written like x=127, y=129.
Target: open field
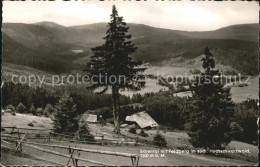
x=151, y=86
x=175, y=140
x=176, y=68
x=239, y=94
x=11, y=157
x=22, y=121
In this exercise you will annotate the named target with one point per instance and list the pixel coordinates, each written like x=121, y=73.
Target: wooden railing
x=98, y=139
x=20, y=138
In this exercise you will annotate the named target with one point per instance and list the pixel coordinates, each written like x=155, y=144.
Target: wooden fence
x=20, y=138
x=134, y=157
x=98, y=139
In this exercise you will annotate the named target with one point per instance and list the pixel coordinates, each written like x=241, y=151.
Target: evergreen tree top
x=211, y=110
x=114, y=11
x=113, y=58
x=208, y=61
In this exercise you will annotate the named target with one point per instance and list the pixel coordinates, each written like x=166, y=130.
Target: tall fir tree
x=112, y=65
x=66, y=117
x=212, y=109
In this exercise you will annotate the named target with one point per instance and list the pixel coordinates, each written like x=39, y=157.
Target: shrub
x=30, y=124
x=46, y=114
x=246, y=114
x=21, y=108
x=102, y=121
x=39, y=111
x=49, y=110
x=11, y=107
x=132, y=130
x=142, y=133
x=66, y=120
x=236, y=130
x=84, y=133
x=32, y=110
x=159, y=140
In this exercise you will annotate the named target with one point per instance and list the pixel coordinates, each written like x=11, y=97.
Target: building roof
x=142, y=119
x=88, y=118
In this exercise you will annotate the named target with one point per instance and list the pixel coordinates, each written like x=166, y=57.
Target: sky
x=180, y=15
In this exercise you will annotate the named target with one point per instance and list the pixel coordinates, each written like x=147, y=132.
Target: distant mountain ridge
x=155, y=45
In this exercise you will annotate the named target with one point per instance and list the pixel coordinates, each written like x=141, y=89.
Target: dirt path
x=10, y=157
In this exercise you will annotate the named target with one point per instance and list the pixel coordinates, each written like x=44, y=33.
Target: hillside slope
x=52, y=44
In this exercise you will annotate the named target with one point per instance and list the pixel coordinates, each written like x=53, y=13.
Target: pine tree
x=84, y=133
x=212, y=109
x=112, y=65
x=65, y=118
x=20, y=108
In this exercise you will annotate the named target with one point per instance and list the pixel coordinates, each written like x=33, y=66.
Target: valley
x=46, y=51
x=48, y=46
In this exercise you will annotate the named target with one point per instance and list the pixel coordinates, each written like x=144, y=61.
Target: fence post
x=76, y=160
x=19, y=135
x=136, y=140
x=11, y=133
x=71, y=158
x=19, y=139
x=50, y=135
x=69, y=150
x=135, y=160
x=102, y=140
x=20, y=143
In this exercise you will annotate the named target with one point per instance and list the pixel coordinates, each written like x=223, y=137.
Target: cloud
x=75, y=13
x=189, y=17
x=65, y=13
x=183, y=15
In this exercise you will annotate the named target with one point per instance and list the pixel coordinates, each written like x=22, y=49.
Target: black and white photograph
x=130, y=83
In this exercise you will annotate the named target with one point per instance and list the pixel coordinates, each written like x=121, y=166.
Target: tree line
x=162, y=106
x=40, y=97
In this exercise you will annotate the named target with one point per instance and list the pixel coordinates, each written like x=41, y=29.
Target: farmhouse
x=142, y=119
x=88, y=118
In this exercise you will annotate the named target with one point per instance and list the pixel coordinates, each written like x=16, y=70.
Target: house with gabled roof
x=142, y=119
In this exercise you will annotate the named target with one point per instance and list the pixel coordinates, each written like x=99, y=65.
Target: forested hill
x=48, y=46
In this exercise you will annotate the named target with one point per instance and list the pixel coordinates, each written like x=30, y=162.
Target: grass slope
x=175, y=140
